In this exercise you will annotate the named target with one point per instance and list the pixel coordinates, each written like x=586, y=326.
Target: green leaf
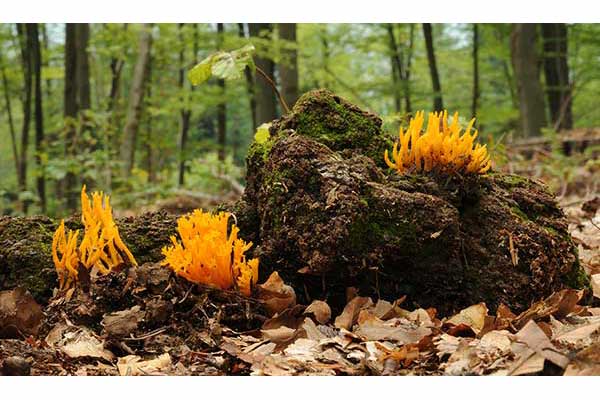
x=223, y=65
x=201, y=72
x=262, y=133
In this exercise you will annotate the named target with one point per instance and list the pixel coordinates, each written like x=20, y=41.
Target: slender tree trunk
x=556, y=70
x=325, y=55
x=45, y=58
x=266, y=104
x=36, y=58
x=288, y=68
x=407, y=69
x=26, y=48
x=396, y=63
x=70, y=114
x=526, y=66
x=116, y=66
x=249, y=82
x=136, y=97
x=438, y=104
x=150, y=145
x=221, y=107
x=475, y=103
x=185, y=113
x=82, y=37
x=11, y=123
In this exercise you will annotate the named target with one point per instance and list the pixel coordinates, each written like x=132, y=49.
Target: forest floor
x=167, y=326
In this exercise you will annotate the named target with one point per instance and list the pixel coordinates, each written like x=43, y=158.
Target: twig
x=148, y=335
x=270, y=81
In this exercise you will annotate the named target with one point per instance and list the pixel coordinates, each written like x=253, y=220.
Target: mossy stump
x=325, y=212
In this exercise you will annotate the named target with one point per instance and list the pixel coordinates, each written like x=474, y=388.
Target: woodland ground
x=164, y=325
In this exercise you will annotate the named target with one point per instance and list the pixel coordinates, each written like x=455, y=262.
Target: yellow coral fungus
x=101, y=247
x=441, y=148
x=208, y=255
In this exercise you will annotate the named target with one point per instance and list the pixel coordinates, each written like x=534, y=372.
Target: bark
x=11, y=123
x=70, y=113
x=116, y=66
x=25, y=44
x=45, y=57
x=475, y=103
x=288, y=68
x=82, y=36
x=249, y=82
x=136, y=97
x=266, y=103
x=438, y=104
x=556, y=71
x=396, y=62
x=221, y=107
x=185, y=113
x=36, y=59
x=529, y=90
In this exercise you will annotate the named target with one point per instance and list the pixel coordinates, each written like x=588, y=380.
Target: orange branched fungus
x=441, y=148
x=208, y=255
x=101, y=247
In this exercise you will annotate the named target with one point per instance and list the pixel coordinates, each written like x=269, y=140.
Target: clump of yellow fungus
x=210, y=256
x=101, y=248
x=440, y=148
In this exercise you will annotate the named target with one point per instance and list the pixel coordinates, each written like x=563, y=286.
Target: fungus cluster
x=101, y=250
x=207, y=254
x=440, y=148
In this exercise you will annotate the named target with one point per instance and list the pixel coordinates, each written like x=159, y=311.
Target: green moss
x=519, y=213
x=510, y=181
x=577, y=278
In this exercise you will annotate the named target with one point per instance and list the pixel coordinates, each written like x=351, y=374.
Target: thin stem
x=270, y=81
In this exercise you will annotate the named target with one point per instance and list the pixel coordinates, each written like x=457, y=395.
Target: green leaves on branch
x=228, y=65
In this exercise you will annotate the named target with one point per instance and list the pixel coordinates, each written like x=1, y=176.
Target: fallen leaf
x=586, y=362
x=122, y=323
x=474, y=317
x=559, y=305
x=320, y=310
x=580, y=335
x=348, y=317
x=77, y=342
x=276, y=295
x=595, y=281
x=20, y=314
x=371, y=328
x=133, y=366
x=533, y=336
x=279, y=335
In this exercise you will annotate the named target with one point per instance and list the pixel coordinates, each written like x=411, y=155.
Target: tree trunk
x=70, y=113
x=396, y=63
x=150, y=145
x=288, y=68
x=45, y=58
x=526, y=66
x=26, y=48
x=136, y=97
x=475, y=103
x=221, y=107
x=185, y=113
x=11, y=123
x=266, y=104
x=438, y=104
x=556, y=70
x=407, y=69
x=116, y=66
x=249, y=83
x=82, y=37
x=36, y=59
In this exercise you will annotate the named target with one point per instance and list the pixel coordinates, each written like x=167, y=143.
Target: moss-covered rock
x=324, y=213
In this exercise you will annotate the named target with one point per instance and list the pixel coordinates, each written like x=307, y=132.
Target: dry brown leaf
x=371, y=328
x=320, y=310
x=122, y=323
x=474, y=317
x=595, y=281
x=586, y=362
x=20, y=314
x=348, y=317
x=279, y=335
x=133, y=366
x=579, y=336
x=559, y=305
x=535, y=338
x=276, y=295
x=77, y=342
